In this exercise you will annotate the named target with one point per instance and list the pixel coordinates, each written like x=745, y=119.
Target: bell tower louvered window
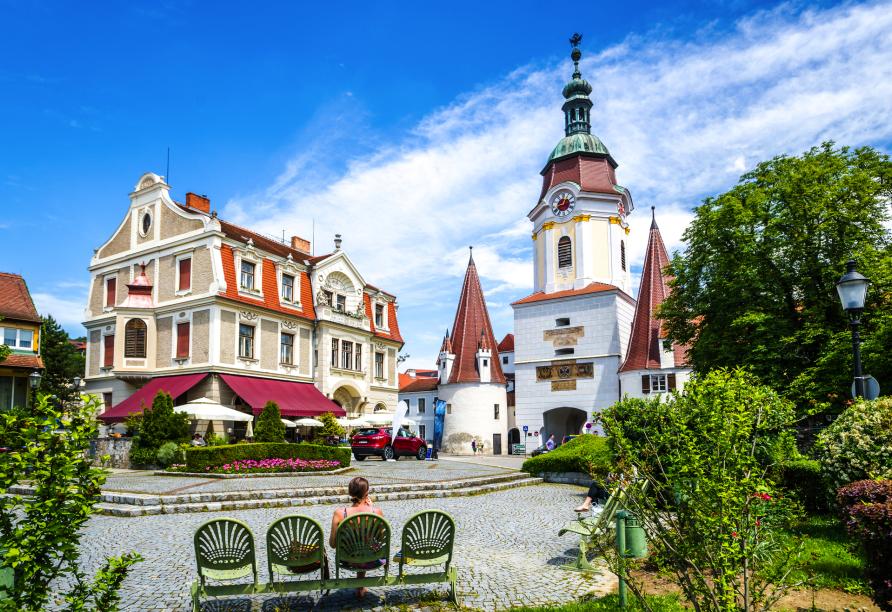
x=135, y=339
x=565, y=252
x=622, y=254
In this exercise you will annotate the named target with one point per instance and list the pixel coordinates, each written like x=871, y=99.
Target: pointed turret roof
x=644, y=345
x=446, y=347
x=472, y=323
x=139, y=292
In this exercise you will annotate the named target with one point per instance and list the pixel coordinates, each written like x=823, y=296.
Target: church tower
x=471, y=380
x=571, y=333
x=579, y=221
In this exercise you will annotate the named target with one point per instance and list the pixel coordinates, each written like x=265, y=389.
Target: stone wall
x=118, y=450
x=575, y=478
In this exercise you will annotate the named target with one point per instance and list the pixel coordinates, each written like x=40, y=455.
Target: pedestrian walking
x=474, y=446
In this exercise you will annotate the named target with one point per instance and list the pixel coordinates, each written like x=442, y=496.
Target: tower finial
x=576, y=54
x=653, y=218
x=471, y=258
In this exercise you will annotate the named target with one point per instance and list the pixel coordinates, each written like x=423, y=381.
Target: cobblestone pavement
x=378, y=472
x=507, y=553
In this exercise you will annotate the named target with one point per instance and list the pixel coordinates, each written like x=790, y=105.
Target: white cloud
x=68, y=311
x=683, y=119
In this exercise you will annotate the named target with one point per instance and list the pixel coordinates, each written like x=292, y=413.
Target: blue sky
x=413, y=129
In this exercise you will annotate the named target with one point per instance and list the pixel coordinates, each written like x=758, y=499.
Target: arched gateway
x=562, y=422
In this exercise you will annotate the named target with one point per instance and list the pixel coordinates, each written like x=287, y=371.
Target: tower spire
x=577, y=116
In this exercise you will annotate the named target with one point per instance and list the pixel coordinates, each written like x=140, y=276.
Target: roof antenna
x=167, y=173
x=313, y=239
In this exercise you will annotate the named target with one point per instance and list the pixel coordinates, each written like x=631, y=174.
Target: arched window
x=135, y=339
x=565, y=252
x=622, y=254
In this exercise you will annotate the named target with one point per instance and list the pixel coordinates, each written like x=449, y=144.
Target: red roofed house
x=571, y=333
x=20, y=331
x=471, y=380
x=183, y=301
x=649, y=368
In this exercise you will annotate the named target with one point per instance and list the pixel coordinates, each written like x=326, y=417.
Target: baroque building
x=184, y=301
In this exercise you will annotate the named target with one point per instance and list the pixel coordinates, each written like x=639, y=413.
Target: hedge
x=587, y=453
x=200, y=458
x=867, y=512
x=803, y=478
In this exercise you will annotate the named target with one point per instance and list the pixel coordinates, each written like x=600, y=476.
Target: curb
x=259, y=475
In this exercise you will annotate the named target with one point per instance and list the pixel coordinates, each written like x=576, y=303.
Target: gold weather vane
x=576, y=39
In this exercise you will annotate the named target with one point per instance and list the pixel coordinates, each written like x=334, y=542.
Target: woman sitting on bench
x=358, y=489
x=597, y=494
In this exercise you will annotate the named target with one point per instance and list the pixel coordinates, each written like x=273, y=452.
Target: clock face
x=562, y=203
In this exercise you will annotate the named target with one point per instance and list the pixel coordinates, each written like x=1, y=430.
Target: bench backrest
x=362, y=539
x=224, y=550
x=294, y=541
x=428, y=535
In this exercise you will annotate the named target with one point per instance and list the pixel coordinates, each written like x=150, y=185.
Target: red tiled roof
x=644, y=345
x=507, y=344
x=394, y=333
x=472, y=321
x=406, y=379
x=594, y=174
x=270, y=298
x=541, y=296
x=15, y=301
x=423, y=383
x=30, y=362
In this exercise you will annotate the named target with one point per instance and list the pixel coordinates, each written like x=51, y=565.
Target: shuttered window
x=185, y=274
x=135, y=339
x=182, y=340
x=645, y=384
x=111, y=286
x=565, y=252
x=622, y=254
x=108, y=359
x=671, y=378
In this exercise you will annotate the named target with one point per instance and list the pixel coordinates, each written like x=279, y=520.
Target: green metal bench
x=224, y=551
x=589, y=528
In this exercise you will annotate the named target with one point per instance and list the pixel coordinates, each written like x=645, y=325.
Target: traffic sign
x=526, y=427
x=871, y=387
x=536, y=433
x=588, y=425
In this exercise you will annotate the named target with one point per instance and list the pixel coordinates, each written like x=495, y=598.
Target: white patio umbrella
x=289, y=423
x=204, y=409
x=308, y=422
x=386, y=419
x=249, y=431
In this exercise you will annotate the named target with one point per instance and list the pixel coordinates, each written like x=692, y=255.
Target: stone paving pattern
x=507, y=551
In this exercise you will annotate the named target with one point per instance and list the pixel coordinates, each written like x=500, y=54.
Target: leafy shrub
x=199, y=459
x=161, y=424
x=330, y=428
x=40, y=533
x=856, y=445
x=168, y=453
x=802, y=478
x=867, y=512
x=587, y=453
x=143, y=457
x=213, y=439
x=270, y=427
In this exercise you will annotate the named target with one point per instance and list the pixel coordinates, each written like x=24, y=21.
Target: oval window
x=146, y=223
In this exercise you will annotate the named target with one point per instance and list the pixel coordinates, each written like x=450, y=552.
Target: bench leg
x=453, y=591
x=582, y=563
x=196, y=597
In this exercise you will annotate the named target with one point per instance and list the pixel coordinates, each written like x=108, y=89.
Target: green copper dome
x=577, y=87
x=579, y=142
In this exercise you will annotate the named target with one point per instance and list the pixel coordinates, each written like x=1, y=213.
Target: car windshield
x=367, y=432
x=402, y=433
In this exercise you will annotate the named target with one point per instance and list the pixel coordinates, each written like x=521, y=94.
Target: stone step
x=422, y=492
x=141, y=499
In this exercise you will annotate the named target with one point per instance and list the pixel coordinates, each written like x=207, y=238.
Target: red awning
x=294, y=398
x=174, y=385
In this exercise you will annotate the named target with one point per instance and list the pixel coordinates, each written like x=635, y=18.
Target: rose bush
x=858, y=445
x=252, y=466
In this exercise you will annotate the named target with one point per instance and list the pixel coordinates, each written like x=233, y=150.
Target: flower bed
x=266, y=466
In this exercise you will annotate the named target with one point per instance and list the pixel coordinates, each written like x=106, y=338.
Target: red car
x=376, y=441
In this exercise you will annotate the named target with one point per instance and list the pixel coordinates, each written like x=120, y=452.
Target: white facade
x=421, y=410
x=475, y=410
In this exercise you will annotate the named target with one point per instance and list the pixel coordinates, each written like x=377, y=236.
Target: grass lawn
x=659, y=603
x=829, y=555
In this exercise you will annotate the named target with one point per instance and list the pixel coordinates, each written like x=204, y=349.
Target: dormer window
x=565, y=252
x=341, y=303
x=379, y=315
x=247, y=276
x=288, y=287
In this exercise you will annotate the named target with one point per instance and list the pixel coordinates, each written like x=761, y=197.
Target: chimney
x=411, y=372
x=299, y=244
x=337, y=242
x=199, y=202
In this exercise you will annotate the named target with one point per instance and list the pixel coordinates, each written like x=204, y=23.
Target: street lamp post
x=34, y=379
x=852, y=289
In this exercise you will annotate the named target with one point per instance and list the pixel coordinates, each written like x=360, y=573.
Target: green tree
x=755, y=285
x=161, y=424
x=40, y=533
x=702, y=454
x=330, y=427
x=62, y=361
x=270, y=427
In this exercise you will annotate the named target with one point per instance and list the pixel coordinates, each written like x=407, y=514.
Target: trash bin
x=636, y=539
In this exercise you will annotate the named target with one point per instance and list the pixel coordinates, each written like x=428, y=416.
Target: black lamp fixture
x=34, y=379
x=852, y=289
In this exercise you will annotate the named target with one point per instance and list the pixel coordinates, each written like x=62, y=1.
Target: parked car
x=539, y=451
x=566, y=439
x=376, y=441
